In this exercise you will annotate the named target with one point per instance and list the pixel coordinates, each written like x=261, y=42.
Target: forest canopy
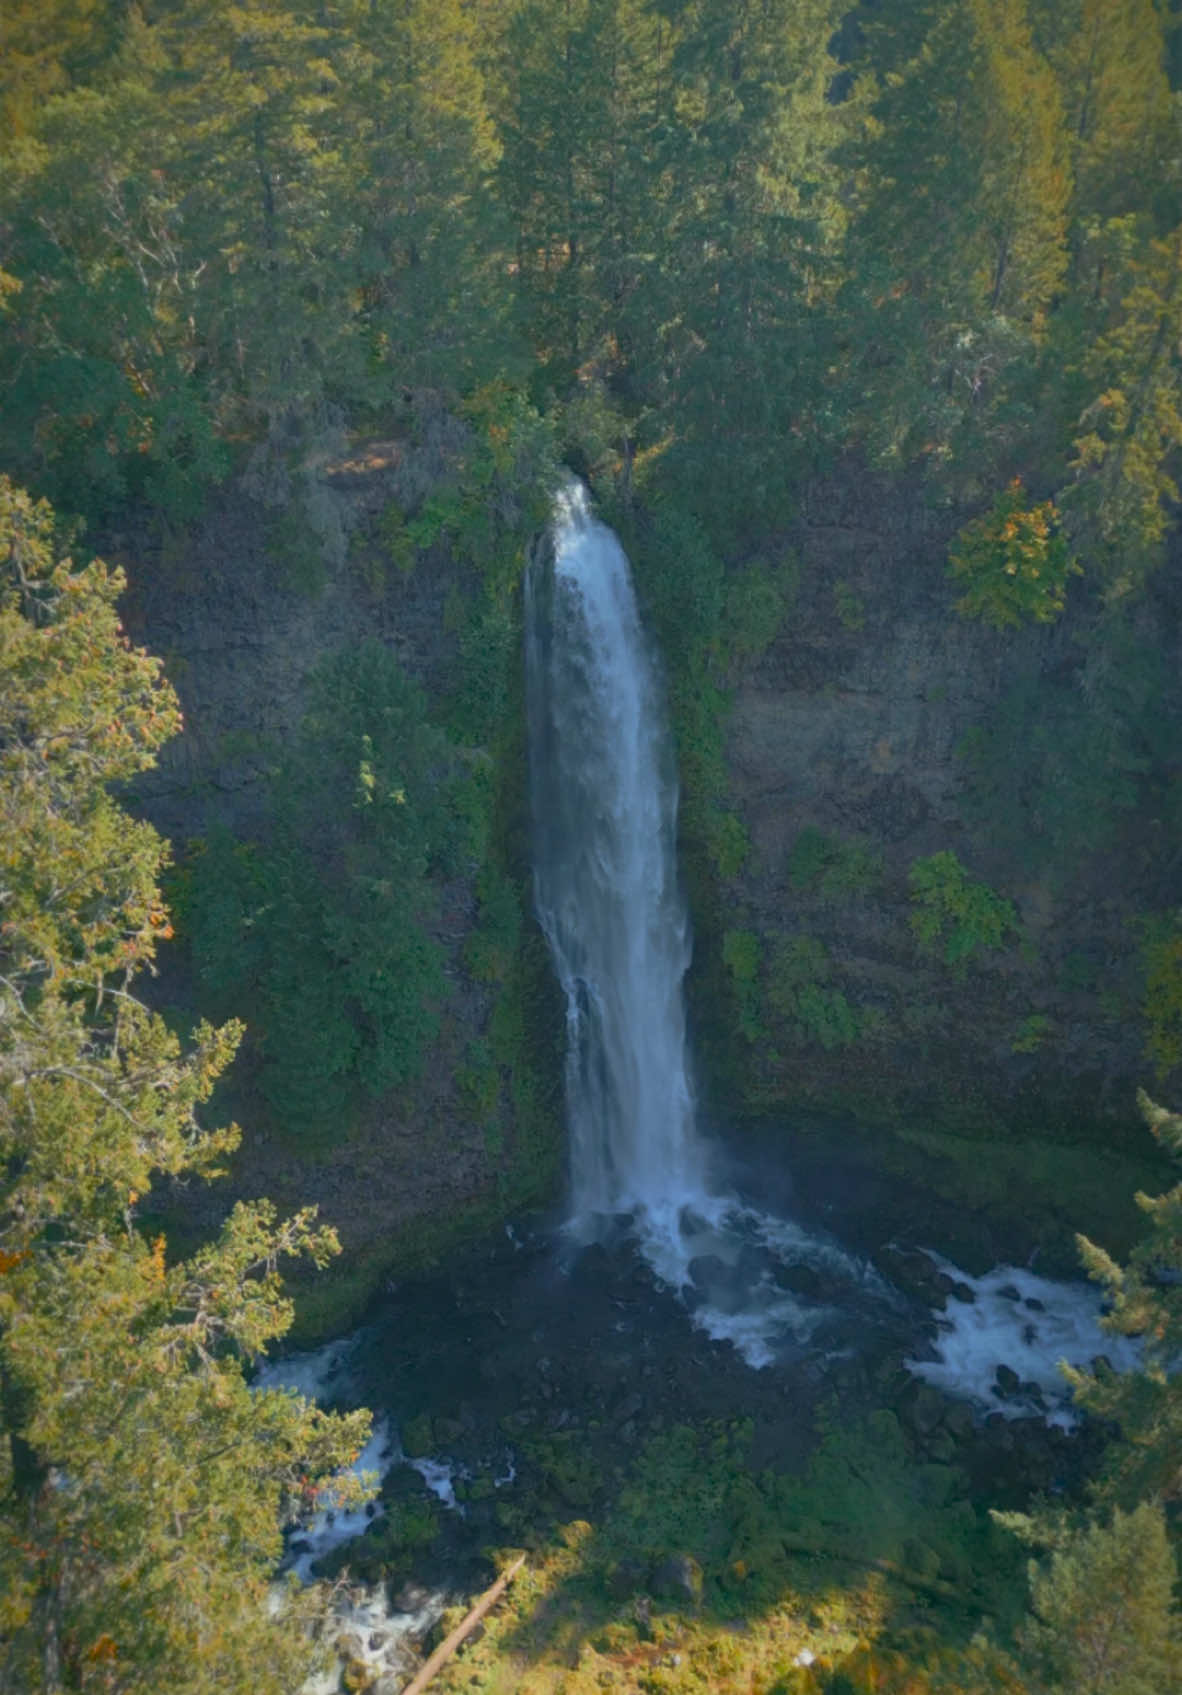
x=945, y=235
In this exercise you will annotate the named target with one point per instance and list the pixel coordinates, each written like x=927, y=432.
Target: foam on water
x=1047, y=1322
x=440, y=1478
x=321, y=1375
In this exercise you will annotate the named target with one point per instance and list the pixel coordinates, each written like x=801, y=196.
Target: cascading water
x=604, y=792
x=605, y=812
x=605, y=878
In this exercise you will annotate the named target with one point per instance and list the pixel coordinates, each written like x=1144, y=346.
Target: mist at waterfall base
x=604, y=799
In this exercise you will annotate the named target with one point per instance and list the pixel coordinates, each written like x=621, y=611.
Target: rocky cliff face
x=880, y=729
x=877, y=730
x=241, y=629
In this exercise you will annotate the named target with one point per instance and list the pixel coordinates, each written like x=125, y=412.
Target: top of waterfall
x=572, y=505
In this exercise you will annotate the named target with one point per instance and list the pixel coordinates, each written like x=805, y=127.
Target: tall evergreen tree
x=1146, y=1301
x=1102, y=1619
x=1108, y=57
x=959, y=247
x=142, y=1484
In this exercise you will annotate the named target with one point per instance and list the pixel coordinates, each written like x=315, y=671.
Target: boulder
x=678, y=1578
x=1008, y=1383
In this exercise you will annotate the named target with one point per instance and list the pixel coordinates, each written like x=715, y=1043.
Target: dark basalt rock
x=1008, y=1383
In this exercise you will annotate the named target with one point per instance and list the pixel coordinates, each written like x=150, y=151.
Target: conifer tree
x=1102, y=1615
x=1131, y=425
x=143, y=1486
x=1109, y=60
x=1146, y=1301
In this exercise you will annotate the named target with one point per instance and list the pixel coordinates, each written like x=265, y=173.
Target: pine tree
x=1146, y=1301
x=748, y=263
x=584, y=91
x=143, y=1486
x=1109, y=59
x=1124, y=488
x=433, y=239
x=959, y=246
x=1103, y=1620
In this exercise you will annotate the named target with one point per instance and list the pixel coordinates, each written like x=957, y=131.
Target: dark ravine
x=851, y=723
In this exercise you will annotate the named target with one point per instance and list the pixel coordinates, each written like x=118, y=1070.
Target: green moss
x=1033, y=1033
x=849, y=606
x=955, y=917
x=832, y=867
x=800, y=990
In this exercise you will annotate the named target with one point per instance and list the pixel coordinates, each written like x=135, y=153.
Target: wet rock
x=706, y=1270
x=800, y=1280
x=1034, y=1304
x=594, y=1265
x=914, y=1274
x=628, y=1409
x=678, y=1578
x=997, y=1432
x=410, y=1597
x=958, y=1420
x=1008, y=1292
x=299, y=1547
x=964, y=1292
x=924, y=1409
x=1008, y=1383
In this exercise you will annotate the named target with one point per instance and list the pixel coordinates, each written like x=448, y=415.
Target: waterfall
x=604, y=794
x=604, y=798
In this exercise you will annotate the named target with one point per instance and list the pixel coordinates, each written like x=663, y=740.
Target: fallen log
x=468, y=1623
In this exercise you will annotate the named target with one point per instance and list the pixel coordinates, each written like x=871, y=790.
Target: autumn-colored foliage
x=1013, y=564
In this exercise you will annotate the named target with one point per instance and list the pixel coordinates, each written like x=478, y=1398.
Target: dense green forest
x=739, y=266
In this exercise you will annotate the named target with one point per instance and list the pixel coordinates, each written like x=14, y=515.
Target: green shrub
x=800, y=990
x=849, y=606
x=954, y=916
x=1032, y=1033
x=754, y=607
x=316, y=933
x=833, y=868
x=1013, y=563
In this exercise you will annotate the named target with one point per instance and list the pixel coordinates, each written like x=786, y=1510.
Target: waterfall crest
x=604, y=792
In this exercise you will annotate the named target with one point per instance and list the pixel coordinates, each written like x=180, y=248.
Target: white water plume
x=605, y=813
x=604, y=791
